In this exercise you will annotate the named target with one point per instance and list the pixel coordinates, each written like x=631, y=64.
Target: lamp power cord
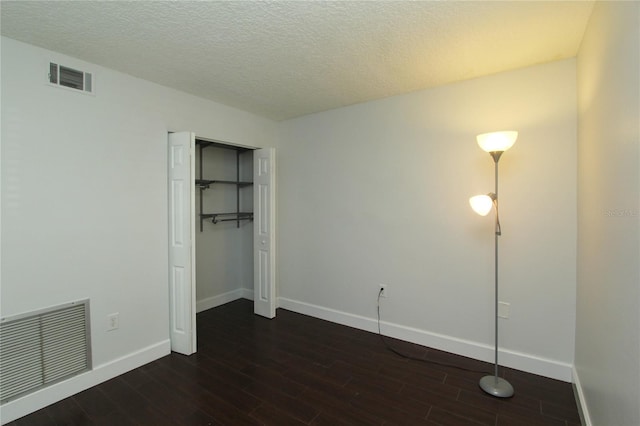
x=427, y=361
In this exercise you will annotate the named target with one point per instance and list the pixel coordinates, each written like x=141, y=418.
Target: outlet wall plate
x=385, y=290
x=113, y=321
x=504, y=309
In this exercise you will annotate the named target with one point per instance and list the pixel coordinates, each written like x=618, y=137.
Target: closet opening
x=221, y=231
x=224, y=222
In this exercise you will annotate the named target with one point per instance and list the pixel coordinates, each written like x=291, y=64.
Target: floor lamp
x=495, y=144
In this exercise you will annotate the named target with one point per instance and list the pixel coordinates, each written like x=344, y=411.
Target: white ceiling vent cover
x=43, y=347
x=60, y=75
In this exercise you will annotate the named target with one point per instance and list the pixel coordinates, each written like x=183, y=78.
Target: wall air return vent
x=60, y=75
x=43, y=347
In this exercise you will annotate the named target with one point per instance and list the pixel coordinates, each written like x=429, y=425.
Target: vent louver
x=69, y=77
x=43, y=347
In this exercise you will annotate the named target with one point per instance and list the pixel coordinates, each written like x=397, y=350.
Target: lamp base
x=496, y=386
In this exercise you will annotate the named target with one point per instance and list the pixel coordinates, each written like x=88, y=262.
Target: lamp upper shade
x=497, y=141
x=481, y=204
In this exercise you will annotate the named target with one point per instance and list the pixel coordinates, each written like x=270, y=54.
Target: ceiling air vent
x=69, y=77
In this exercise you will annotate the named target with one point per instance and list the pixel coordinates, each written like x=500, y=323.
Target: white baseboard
x=520, y=361
x=583, y=409
x=35, y=401
x=221, y=299
x=247, y=293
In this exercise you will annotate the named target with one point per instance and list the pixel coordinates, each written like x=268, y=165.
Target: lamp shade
x=497, y=141
x=481, y=204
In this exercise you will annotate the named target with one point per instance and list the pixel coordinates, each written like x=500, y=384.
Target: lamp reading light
x=497, y=141
x=481, y=204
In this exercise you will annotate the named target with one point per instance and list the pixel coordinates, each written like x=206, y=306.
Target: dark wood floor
x=298, y=370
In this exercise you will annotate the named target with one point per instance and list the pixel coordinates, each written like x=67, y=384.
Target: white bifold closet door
x=264, y=196
x=182, y=239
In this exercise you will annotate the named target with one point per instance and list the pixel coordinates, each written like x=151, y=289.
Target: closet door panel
x=182, y=313
x=264, y=232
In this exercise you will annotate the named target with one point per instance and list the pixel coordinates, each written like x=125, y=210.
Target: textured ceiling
x=285, y=59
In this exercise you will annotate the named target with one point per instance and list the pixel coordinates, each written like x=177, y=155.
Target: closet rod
x=214, y=221
x=238, y=217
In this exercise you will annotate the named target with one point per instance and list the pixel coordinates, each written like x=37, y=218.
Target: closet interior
x=224, y=222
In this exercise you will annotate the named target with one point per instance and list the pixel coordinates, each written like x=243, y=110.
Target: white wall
x=378, y=193
x=608, y=297
x=84, y=201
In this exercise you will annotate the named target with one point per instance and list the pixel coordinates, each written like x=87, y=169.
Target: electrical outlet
x=383, y=290
x=113, y=321
x=504, y=309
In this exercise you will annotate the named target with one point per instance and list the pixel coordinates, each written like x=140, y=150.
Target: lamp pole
x=495, y=385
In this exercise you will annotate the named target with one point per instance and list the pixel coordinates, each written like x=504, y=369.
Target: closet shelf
x=227, y=217
x=205, y=183
x=206, y=144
